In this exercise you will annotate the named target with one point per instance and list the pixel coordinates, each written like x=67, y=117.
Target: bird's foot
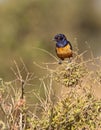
x=59, y=62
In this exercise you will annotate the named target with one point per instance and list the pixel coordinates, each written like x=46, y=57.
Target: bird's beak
x=53, y=39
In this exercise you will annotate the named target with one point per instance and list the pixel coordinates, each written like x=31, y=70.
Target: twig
x=46, y=52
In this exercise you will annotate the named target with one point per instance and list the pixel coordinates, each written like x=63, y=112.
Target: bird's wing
x=70, y=45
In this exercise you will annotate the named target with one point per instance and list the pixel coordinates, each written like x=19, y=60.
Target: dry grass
x=69, y=99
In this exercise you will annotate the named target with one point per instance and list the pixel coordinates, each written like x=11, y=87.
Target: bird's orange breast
x=64, y=52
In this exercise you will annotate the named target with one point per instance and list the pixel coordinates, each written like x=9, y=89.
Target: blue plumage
x=62, y=43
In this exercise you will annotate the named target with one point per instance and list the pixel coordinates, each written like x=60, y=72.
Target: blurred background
x=27, y=24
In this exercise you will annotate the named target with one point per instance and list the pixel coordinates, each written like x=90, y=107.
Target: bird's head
x=59, y=37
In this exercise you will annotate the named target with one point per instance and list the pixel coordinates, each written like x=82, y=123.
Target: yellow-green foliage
x=77, y=108
x=65, y=105
x=70, y=74
x=72, y=113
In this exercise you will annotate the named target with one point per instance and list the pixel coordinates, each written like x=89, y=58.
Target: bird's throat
x=61, y=43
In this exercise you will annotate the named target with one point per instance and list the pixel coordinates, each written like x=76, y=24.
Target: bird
x=63, y=47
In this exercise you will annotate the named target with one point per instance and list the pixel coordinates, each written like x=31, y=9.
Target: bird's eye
x=61, y=38
x=56, y=37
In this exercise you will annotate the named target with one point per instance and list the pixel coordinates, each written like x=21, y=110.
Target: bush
x=68, y=101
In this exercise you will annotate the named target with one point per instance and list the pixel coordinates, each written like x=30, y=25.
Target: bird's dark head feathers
x=59, y=37
x=61, y=40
